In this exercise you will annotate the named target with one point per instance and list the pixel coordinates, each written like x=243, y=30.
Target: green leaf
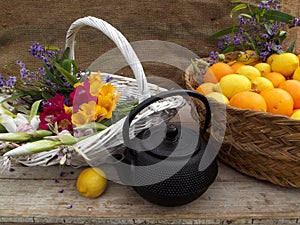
x=237, y=8
x=291, y=47
x=13, y=97
x=65, y=54
x=67, y=64
x=33, y=147
x=34, y=109
x=268, y=29
x=246, y=15
x=2, y=129
x=67, y=139
x=196, y=68
x=279, y=16
x=69, y=77
x=52, y=48
x=228, y=49
x=15, y=137
x=96, y=126
x=223, y=32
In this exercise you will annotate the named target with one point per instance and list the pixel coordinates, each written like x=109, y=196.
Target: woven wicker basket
x=102, y=145
x=259, y=144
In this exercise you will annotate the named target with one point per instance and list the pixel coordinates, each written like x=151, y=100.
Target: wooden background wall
x=187, y=23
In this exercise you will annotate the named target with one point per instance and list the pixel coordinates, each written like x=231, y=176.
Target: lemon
x=296, y=114
x=264, y=68
x=285, y=64
x=248, y=57
x=91, y=182
x=271, y=58
x=259, y=84
x=248, y=71
x=296, y=75
x=233, y=83
x=218, y=97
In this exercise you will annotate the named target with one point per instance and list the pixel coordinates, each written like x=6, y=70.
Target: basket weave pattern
x=102, y=145
x=259, y=144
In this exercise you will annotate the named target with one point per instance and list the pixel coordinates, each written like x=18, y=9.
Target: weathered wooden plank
x=240, y=200
x=70, y=173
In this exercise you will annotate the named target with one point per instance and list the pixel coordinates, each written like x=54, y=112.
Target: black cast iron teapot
x=163, y=160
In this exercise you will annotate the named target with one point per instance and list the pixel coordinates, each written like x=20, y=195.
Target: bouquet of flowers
x=261, y=28
x=55, y=106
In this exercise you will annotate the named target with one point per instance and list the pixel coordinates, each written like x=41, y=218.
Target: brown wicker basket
x=259, y=144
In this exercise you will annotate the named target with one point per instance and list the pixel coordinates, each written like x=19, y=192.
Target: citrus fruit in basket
x=260, y=84
x=219, y=97
x=285, y=63
x=235, y=65
x=296, y=114
x=276, y=78
x=91, y=182
x=217, y=71
x=270, y=58
x=293, y=88
x=248, y=71
x=248, y=100
x=296, y=75
x=264, y=68
x=248, y=57
x=233, y=83
x=278, y=101
x=205, y=88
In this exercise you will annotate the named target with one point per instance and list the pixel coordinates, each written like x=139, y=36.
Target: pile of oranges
x=272, y=86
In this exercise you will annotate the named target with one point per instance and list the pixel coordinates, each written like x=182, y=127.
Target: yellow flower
x=96, y=84
x=109, y=104
x=78, y=84
x=68, y=109
x=108, y=90
x=85, y=114
x=106, y=102
x=80, y=118
x=100, y=113
x=88, y=108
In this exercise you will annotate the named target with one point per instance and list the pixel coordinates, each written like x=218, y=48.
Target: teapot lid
x=174, y=141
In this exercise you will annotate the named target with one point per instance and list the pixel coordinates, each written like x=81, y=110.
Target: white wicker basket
x=98, y=147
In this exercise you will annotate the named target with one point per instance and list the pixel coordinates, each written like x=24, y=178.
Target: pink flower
x=81, y=95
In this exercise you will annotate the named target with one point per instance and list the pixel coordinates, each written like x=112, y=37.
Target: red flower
x=54, y=112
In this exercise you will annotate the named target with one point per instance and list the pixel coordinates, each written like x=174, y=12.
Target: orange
x=248, y=100
x=276, y=78
x=205, y=88
x=235, y=65
x=217, y=71
x=278, y=101
x=292, y=87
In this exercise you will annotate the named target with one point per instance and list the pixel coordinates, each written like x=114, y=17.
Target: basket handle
x=121, y=42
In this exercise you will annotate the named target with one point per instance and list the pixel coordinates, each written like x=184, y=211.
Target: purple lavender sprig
x=262, y=29
x=53, y=76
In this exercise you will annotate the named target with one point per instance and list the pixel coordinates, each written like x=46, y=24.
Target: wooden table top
x=43, y=195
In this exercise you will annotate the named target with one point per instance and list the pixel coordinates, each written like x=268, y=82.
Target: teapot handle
x=158, y=97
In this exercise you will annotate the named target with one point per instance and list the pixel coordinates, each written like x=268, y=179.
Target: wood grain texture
x=32, y=196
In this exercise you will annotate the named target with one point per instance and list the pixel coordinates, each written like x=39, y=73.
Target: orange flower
x=99, y=108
